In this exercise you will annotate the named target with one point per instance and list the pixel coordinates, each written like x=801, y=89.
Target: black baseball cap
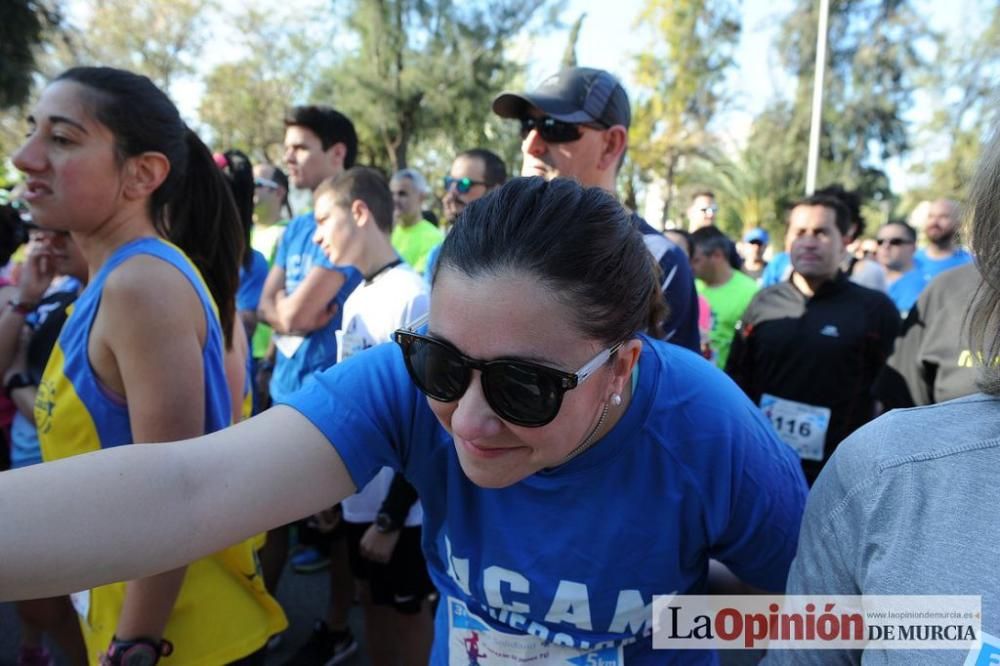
x=574, y=95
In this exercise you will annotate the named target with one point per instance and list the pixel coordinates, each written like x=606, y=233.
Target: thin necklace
x=392, y=264
x=586, y=443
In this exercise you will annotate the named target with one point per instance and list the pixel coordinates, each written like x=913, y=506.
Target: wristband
x=136, y=652
x=16, y=381
x=22, y=308
x=385, y=524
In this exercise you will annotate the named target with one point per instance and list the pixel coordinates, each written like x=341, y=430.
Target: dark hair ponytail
x=202, y=220
x=238, y=172
x=281, y=179
x=193, y=207
x=579, y=242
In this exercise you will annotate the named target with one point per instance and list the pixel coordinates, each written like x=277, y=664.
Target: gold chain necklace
x=589, y=440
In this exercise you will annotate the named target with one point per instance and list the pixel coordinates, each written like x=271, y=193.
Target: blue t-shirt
x=574, y=555
x=297, y=254
x=251, y=282
x=777, y=270
x=905, y=291
x=933, y=267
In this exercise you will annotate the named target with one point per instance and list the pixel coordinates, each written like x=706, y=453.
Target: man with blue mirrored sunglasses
x=473, y=174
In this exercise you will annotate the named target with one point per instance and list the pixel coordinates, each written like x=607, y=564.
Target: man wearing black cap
x=575, y=125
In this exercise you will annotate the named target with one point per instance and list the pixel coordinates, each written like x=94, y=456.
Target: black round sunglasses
x=521, y=392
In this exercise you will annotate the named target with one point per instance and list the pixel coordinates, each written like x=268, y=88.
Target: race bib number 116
x=803, y=427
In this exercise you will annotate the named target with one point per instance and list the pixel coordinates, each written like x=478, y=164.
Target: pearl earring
x=616, y=400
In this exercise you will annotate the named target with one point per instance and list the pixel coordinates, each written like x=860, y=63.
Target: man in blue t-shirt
x=897, y=243
x=302, y=301
x=575, y=125
x=941, y=230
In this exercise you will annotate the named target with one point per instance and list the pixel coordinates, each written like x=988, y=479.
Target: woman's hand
x=36, y=274
x=378, y=546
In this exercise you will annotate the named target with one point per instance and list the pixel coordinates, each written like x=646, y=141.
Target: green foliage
x=27, y=27
x=158, y=38
x=425, y=73
x=963, y=90
x=680, y=78
x=873, y=58
x=245, y=101
x=569, y=55
x=743, y=191
x=23, y=25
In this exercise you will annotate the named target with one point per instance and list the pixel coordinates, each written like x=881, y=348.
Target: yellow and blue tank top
x=223, y=611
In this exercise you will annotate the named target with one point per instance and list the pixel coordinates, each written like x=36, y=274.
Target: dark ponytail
x=281, y=179
x=238, y=172
x=202, y=220
x=579, y=242
x=193, y=207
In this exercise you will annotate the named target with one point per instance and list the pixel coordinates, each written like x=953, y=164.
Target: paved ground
x=303, y=598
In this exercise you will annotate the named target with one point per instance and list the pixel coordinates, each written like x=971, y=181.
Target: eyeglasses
x=462, y=185
x=265, y=183
x=521, y=392
x=709, y=209
x=555, y=131
x=894, y=242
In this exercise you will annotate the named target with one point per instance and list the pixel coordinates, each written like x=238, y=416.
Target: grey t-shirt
x=908, y=504
x=932, y=361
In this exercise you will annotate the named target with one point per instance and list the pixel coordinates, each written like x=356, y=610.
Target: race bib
x=472, y=642
x=349, y=344
x=987, y=654
x=803, y=427
x=288, y=344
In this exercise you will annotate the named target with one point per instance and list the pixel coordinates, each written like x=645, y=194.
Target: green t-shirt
x=728, y=303
x=415, y=242
x=265, y=240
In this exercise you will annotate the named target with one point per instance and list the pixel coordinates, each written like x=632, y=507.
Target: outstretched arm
x=104, y=517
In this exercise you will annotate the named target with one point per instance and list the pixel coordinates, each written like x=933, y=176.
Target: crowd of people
x=500, y=432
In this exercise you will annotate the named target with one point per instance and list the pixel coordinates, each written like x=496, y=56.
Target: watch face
x=139, y=655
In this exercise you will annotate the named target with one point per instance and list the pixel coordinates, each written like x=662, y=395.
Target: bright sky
x=609, y=40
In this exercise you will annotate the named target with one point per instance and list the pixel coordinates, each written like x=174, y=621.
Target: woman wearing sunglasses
x=570, y=466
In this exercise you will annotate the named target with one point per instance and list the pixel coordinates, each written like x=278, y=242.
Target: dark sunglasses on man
x=555, y=131
x=894, y=242
x=266, y=183
x=461, y=185
x=522, y=392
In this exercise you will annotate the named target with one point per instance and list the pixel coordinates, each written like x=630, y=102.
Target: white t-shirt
x=372, y=313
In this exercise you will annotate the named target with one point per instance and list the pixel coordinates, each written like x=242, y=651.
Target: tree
x=26, y=28
x=963, y=89
x=680, y=79
x=244, y=102
x=744, y=192
x=425, y=69
x=873, y=63
x=158, y=38
x=569, y=55
x=23, y=26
